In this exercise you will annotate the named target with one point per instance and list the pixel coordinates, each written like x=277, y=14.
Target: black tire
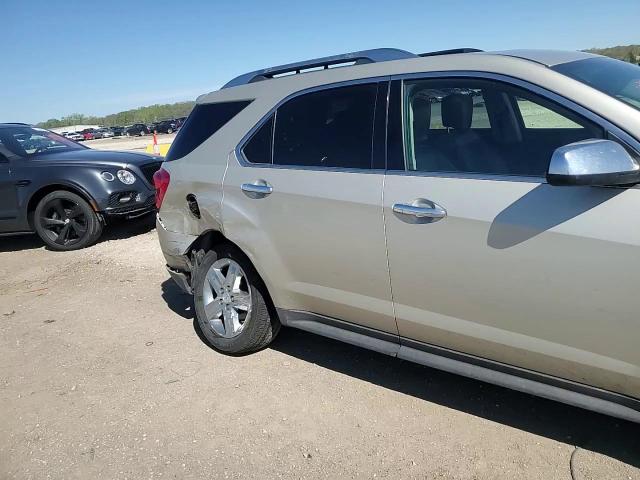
x=170, y=130
x=259, y=328
x=65, y=221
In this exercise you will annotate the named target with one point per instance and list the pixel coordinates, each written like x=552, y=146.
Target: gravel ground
x=103, y=375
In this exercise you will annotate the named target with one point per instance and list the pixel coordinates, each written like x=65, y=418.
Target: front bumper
x=130, y=203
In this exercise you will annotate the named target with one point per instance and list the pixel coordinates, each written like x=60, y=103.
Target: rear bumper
x=174, y=246
x=182, y=279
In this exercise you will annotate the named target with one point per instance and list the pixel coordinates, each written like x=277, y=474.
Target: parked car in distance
x=117, y=131
x=87, y=133
x=65, y=192
x=137, y=129
x=470, y=211
x=179, y=122
x=102, y=133
x=74, y=136
x=165, y=126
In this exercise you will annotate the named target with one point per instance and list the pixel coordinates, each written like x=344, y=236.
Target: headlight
x=126, y=177
x=108, y=176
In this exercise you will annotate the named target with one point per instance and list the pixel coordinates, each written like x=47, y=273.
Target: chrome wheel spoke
x=213, y=309
x=241, y=301
x=232, y=280
x=231, y=321
x=216, y=280
x=226, y=307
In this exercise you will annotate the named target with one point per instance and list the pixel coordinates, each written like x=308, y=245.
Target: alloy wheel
x=64, y=221
x=227, y=298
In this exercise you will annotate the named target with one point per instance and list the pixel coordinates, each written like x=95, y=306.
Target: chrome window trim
x=244, y=161
x=536, y=89
x=469, y=176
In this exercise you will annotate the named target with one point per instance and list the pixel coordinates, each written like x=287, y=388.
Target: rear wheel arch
x=211, y=239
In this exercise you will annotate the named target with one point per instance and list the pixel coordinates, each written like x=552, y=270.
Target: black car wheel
x=170, y=130
x=65, y=221
x=142, y=133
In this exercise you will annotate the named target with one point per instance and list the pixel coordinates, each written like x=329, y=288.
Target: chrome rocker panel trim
x=527, y=381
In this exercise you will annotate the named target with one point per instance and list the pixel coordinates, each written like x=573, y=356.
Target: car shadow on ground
x=605, y=435
x=116, y=230
x=178, y=301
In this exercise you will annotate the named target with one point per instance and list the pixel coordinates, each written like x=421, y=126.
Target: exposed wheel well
x=40, y=194
x=208, y=241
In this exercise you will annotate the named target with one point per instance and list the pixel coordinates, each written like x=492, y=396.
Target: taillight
x=161, y=181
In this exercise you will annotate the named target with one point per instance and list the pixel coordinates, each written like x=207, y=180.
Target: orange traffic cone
x=156, y=147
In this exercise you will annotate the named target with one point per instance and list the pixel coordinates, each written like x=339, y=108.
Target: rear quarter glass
x=203, y=121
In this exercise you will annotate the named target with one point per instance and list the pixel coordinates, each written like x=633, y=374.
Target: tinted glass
x=329, y=128
x=205, y=120
x=613, y=77
x=26, y=141
x=258, y=148
x=478, y=126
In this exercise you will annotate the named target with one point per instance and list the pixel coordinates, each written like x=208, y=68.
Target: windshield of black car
x=616, y=78
x=28, y=141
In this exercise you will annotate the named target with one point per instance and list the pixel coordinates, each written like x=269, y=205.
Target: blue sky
x=62, y=57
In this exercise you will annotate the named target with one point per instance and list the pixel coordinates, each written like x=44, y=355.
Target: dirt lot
x=103, y=375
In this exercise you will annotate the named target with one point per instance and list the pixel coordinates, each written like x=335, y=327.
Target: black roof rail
x=365, y=56
x=449, y=52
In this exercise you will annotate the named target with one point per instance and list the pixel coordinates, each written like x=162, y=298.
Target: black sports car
x=67, y=192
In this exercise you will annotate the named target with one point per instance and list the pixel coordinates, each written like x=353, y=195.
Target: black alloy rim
x=63, y=221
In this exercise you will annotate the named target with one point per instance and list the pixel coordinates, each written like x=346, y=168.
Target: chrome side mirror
x=593, y=162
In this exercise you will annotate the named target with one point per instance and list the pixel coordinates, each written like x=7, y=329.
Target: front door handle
x=257, y=189
x=421, y=210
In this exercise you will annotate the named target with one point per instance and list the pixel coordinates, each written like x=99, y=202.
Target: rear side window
x=205, y=120
x=329, y=128
x=258, y=148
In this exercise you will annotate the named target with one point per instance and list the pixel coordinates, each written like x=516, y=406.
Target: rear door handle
x=257, y=189
x=423, y=211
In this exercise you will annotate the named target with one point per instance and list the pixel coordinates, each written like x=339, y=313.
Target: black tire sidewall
x=259, y=319
x=94, y=225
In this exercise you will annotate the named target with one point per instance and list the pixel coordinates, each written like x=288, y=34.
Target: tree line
x=627, y=53
x=149, y=114
x=154, y=113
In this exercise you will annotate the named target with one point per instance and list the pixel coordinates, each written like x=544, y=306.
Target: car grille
x=149, y=169
x=116, y=207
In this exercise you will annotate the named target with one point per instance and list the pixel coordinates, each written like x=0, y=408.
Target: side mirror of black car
x=3, y=158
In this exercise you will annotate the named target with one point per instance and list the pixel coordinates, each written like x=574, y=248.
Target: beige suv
x=474, y=212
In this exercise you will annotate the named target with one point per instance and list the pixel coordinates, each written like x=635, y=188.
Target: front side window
x=536, y=116
x=484, y=127
x=25, y=141
x=328, y=128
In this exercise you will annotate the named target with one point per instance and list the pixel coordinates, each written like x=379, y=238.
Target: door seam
x=386, y=251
